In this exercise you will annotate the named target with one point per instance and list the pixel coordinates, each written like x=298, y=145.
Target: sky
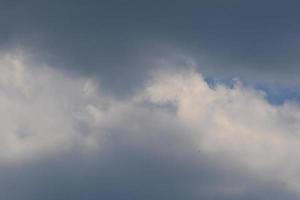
x=123, y=100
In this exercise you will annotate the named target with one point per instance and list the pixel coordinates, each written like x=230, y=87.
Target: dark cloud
x=133, y=172
x=255, y=40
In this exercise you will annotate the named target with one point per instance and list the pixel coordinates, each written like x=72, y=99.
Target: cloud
x=177, y=137
x=43, y=110
x=234, y=122
x=225, y=37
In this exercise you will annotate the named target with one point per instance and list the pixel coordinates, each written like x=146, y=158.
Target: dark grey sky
x=254, y=40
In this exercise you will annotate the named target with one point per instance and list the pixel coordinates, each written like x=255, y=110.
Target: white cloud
x=44, y=110
x=235, y=123
x=41, y=108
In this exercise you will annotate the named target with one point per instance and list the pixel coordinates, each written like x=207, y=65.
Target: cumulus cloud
x=235, y=122
x=41, y=109
x=176, y=133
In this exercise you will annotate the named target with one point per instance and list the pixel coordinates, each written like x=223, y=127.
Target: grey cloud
x=131, y=174
x=255, y=40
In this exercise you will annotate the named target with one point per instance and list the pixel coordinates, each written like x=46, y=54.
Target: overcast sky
x=147, y=100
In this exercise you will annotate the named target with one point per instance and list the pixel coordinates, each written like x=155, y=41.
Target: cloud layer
x=177, y=137
x=247, y=39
